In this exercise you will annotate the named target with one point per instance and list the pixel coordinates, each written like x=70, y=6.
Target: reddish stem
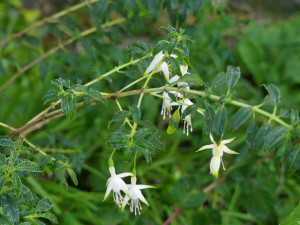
x=174, y=215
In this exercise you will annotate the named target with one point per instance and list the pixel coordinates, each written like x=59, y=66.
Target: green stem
x=55, y=49
x=116, y=69
x=47, y=19
x=120, y=107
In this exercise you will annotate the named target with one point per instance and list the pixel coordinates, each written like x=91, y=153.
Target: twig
x=113, y=96
x=173, y=216
x=47, y=19
x=55, y=49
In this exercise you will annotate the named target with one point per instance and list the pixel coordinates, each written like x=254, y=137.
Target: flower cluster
x=132, y=191
x=167, y=103
x=217, y=149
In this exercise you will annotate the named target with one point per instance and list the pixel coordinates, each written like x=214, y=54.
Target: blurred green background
x=261, y=37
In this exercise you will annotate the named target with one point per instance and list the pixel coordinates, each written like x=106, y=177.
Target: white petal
x=215, y=165
x=206, y=147
x=174, y=79
x=112, y=171
x=184, y=70
x=183, y=84
x=173, y=103
x=108, y=190
x=183, y=108
x=142, y=186
x=125, y=200
x=124, y=175
x=188, y=101
x=211, y=138
x=165, y=69
x=155, y=61
x=141, y=197
x=227, y=141
x=122, y=186
x=227, y=150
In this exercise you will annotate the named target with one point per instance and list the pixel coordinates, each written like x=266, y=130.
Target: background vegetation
x=259, y=187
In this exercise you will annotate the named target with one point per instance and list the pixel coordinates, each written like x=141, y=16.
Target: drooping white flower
x=184, y=71
x=187, y=119
x=157, y=58
x=136, y=196
x=165, y=69
x=167, y=104
x=217, y=151
x=116, y=184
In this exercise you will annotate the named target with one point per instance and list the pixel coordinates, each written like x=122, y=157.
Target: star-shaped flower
x=116, y=184
x=217, y=151
x=135, y=196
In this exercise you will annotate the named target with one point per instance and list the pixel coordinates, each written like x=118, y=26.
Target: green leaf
x=4, y=220
x=174, y=121
x=181, y=189
x=29, y=166
x=251, y=133
x=169, y=28
x=219, y=80
x=43, y=161
x=232, y=76
x=194, y=199
x=48, y=216
x=219, y=121
x=119, y=116
x=2, y=159
x=2, y=179
x=294, y=116
x=3, y=168
x=27, y=196
x=293, y=218
x=274, y=93
x=275, y=136
x=17, y=184
x=135, y=113
x=10, y=208
x=260, y=136
x=14, y=158
x=44, y=205
x=73, y=176
x=6, y=144
x=68, y=105
x=260, y=202
x=209, y=117
x=95, y=94
x=240, y=117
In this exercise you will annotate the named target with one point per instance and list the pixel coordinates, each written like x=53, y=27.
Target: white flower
x=157, y=58
x=167, y=104
x=217, y=151
x=187, y=118
x=165, y=69
x=135, y=196
x=116, y=184
x=184, y=71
